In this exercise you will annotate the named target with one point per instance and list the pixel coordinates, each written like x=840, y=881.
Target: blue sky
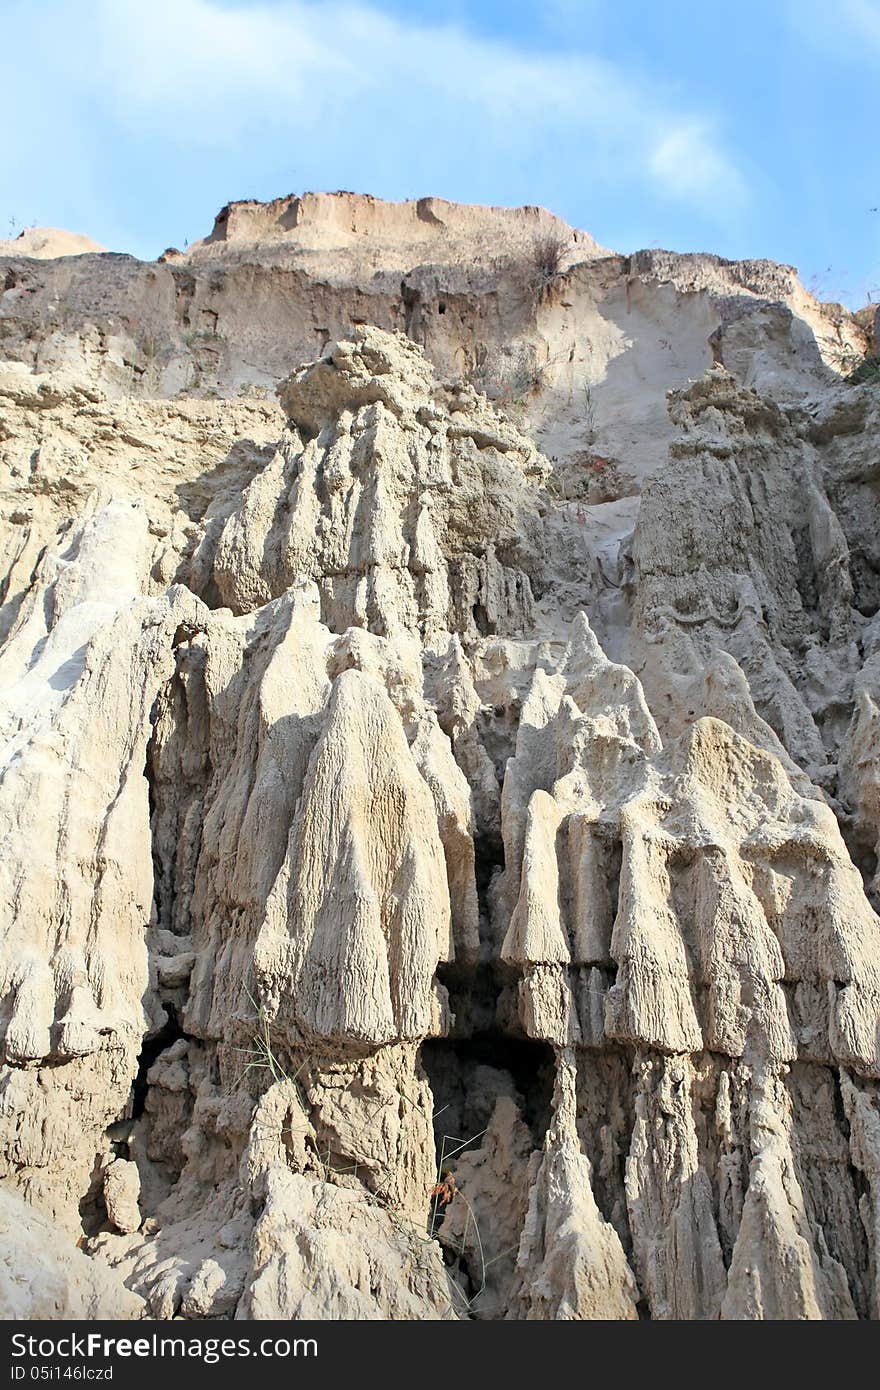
x=749, y=129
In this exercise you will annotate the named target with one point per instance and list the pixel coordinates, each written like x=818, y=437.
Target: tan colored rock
x=43, y=1277
x=45, y=243
x=322, y=1251
x=397, y=498
x=738, y=550
x=483, y=1223
x=391, y=813
x=860, y=763
x=702, y=829
x=781, y=1269
x=570, y=1260
x=80, y=671
x=584, y=341
x=122, y=1187
x=365, y=884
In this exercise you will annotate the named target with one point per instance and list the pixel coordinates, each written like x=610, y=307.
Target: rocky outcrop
x=581, y=341
x=439, y=879
x=763, y=575
x=48, y=243
x=407, y=504
x=80, y=670
x=44, y=1277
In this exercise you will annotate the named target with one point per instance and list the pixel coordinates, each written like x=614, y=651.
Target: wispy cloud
x=688, y=163
x=328, y=71
x=344, y=87
x=863, y=17
x=849, y=29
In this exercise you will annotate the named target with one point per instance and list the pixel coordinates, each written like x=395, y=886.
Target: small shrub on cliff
x=867, y=373
x=544, y=266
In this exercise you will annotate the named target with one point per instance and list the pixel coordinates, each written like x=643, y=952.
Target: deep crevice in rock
x=92, y=1209
x=153, y=1046
x=468, y=1075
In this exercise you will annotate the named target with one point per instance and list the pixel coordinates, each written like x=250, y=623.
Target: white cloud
x=345, y=87
x=847, y=29
x=861, y=20
x=863, y=17
x=688, y=164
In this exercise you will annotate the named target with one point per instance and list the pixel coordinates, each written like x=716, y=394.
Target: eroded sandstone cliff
x=439, y=800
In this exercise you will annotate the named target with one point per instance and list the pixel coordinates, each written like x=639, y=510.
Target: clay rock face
x=438, y=879
x=365, y=883
x=67, y=449
x=411, y=507
x=318, y=1249
x=698, y=966
x=738, y=550
x=860, y=765
x=529, y=308
x=570, y=1260
x=709, y=826
x=44, y=1277
x=49, y=242
x=80, y=671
